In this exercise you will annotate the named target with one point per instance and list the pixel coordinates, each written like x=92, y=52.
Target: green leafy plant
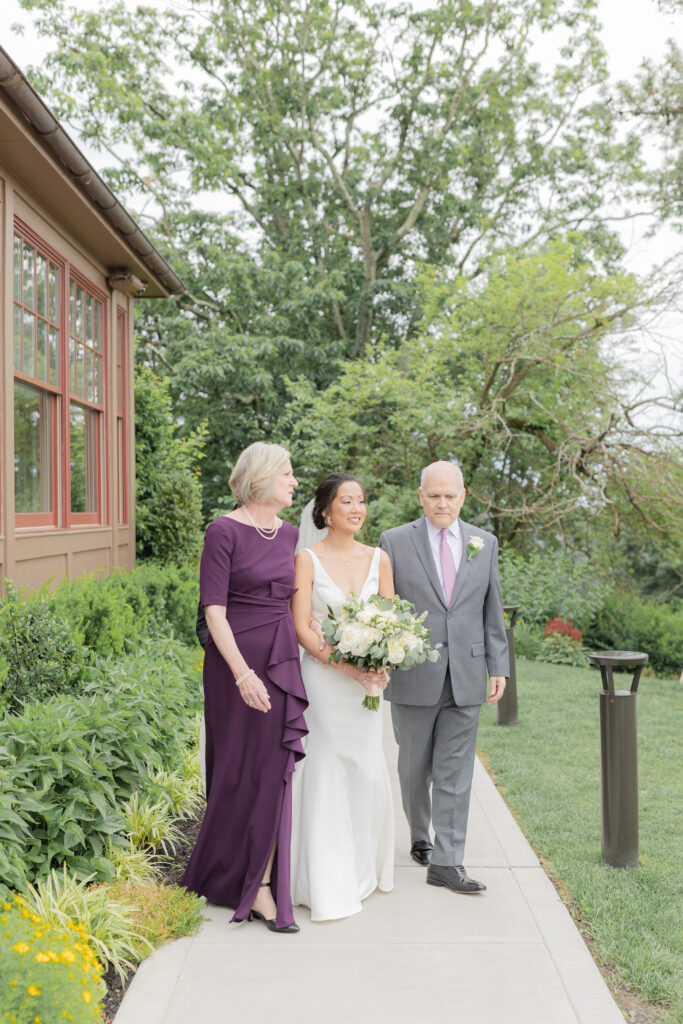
x=150, y=824
x=63, y=900
x=562, y=650
x=67, y=765
x=41, y=656
x=178, y=790
x=547, y=584
x=628, y=622
x=131, y=864
x=48, y=968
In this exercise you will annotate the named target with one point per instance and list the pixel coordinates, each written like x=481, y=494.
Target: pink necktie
x=447, y=566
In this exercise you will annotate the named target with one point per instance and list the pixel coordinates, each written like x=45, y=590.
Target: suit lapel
x=463, y=568
x=424, y=553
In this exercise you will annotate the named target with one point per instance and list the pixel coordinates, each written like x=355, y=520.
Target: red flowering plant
x=561, y=643
x=561, y=628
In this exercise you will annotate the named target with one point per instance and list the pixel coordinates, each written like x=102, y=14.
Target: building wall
x=30, y=555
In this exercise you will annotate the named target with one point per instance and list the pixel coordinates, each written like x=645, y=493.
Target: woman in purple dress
x=254, y=697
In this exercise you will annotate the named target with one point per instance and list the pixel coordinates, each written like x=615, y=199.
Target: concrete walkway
x=416, y=955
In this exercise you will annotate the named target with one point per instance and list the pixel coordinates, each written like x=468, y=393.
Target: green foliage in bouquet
x=382, y=632
x=49, y=971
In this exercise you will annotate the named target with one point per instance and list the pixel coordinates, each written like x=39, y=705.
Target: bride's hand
x=254, y=693
x=368, y=678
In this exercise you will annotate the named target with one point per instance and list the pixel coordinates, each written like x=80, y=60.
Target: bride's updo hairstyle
x=325, y=494
x=253, y=477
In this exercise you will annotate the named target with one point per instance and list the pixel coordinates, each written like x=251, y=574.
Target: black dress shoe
x=286, y=929
x=454, y=878
x=421, y=852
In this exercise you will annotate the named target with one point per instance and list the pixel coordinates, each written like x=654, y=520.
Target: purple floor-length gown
x=250, y=755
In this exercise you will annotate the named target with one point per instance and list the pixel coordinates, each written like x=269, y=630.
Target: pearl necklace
x=267, y=532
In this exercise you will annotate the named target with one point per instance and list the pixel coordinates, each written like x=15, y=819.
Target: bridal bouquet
x=382, y=632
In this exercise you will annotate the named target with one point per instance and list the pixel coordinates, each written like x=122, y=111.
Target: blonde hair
x=253, y=476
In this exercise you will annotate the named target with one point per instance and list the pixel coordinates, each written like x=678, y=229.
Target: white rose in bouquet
x=396, y=650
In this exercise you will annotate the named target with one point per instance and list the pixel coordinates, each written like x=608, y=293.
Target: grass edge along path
x=548, y=770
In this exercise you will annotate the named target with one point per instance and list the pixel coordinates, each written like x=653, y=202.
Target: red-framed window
x=59, y=340
x=37, y=341
x=86, y=422
x=121, y=434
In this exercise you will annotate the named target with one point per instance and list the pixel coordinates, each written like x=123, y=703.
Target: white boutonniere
x=474, y=545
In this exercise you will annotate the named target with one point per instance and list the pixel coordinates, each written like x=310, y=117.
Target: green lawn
x=548, y=768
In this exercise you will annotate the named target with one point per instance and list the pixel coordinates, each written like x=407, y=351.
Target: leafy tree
x=168, y=491
x=345, y=144
x=513, y=377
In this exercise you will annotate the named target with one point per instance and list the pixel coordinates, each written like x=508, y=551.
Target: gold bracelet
x=245, y=676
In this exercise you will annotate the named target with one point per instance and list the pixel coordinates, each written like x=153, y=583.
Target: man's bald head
x=442, y=492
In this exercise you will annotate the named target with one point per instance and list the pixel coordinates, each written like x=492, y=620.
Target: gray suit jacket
x=471, y=628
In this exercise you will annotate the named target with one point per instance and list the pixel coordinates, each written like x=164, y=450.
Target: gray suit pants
x=436, y=745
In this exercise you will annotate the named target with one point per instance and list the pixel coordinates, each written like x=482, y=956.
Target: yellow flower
x=33, y=990
x=68, y=956
x=87, y=996
x=21, y=947
x=42, y=958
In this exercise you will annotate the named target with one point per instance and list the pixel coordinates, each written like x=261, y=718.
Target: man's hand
x=497, y=689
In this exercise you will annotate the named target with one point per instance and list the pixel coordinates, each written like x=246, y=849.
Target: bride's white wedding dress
x=343, y=816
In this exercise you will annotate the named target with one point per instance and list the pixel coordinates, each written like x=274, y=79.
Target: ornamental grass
x=48, y=973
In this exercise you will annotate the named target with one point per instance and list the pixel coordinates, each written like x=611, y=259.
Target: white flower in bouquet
x=396, y=650
x=379, y=633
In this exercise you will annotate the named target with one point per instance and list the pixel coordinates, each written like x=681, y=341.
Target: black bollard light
x=619, y=758
x=507, y=705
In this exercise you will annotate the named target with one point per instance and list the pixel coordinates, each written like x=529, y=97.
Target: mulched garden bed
x=169, y=872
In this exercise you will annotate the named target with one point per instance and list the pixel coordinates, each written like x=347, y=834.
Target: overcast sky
x=633, y=30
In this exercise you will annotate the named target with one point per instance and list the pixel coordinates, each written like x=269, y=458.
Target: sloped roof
x=74, y=193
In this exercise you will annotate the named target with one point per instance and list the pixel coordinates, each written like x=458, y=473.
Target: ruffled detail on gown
x=274, y=613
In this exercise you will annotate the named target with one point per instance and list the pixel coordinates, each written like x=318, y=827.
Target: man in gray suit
x=449, y=569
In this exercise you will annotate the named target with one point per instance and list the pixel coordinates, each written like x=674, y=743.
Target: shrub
x=558, y=627
x=548, y=584
x=168, y=491
x=161, y=912
x=49, y=971
x=627, y=622
x=527, y=641
x=66, y=764
x=150, y=825
x=562, y=650
x=104, y=612
x=64, y=901
x=40, y=653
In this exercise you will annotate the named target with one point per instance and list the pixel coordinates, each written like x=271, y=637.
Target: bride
x=343, y=819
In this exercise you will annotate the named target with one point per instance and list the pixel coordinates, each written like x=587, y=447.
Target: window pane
x=17, y=268
x=29, y=344
x=29, y=296
x=41, y=284
x=18, y=361
x=54, y=294
x=98, y=326
x=32, y=449
x=72, y=364
x=83, y=458
x=41, y=367
x=80, y=313
x=89, y=375
x=80, y=371
x=72, y=308
x=54, y=356
x=98, y=379
x=90, y=324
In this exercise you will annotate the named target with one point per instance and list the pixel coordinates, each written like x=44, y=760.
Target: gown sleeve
x=214, y=570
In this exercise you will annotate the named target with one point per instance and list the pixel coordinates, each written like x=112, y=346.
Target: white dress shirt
x=454, y=541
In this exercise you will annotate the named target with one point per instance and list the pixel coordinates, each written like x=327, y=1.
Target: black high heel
x=289, y=929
